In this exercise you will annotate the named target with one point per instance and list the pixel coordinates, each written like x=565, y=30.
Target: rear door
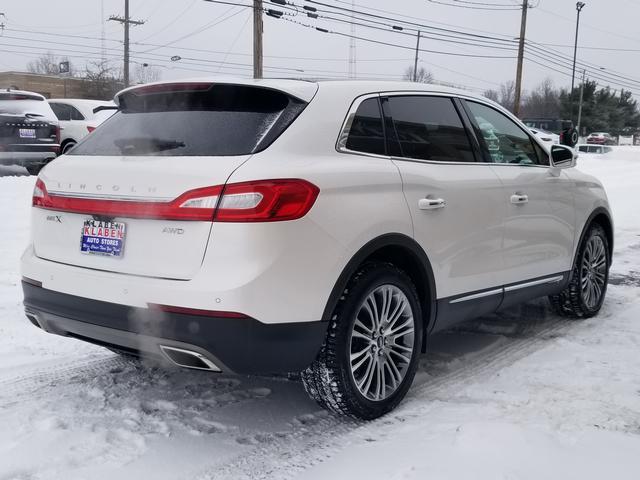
x=134, y=183
x=455, y=203
x=539, y=219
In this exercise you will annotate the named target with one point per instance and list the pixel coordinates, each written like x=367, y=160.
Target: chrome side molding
x=510, y=288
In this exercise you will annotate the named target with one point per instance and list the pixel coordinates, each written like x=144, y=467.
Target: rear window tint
x=35, y=107
x=221, y=121
x=366, y=133
x=429, y=128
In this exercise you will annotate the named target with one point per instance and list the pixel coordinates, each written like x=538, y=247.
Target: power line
x=173, y=20
x=211, y=24
x=379, y=42
x=474, y=6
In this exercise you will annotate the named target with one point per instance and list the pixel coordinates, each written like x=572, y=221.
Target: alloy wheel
x=382, y=342
x=593, y=272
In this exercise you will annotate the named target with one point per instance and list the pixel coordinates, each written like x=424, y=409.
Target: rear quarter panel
x=360, y=199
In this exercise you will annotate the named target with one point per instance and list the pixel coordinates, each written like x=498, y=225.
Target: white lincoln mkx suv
x=326, y=228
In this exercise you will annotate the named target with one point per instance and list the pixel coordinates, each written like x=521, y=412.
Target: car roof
x=80, y=101
x=85, y=106
x=306, y=89
x=21, y=92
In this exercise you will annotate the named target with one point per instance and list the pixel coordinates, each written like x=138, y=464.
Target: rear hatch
x=138, y=195
x=26, y=121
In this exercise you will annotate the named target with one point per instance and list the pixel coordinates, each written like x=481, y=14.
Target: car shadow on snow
x=153, y=399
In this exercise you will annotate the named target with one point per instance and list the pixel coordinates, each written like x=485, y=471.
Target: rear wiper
x=105, y=107
x=145, y=144
x=33, y=115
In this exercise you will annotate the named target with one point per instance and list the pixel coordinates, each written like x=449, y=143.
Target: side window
x=62, y=111
x=583, y=148
x=366, y=133
x=505, y=141
x=75, y=113
x=429, y=128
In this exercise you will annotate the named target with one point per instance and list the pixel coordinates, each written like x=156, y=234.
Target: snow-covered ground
x=519, y=395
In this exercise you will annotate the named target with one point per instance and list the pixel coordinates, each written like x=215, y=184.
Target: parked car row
x=34, y=130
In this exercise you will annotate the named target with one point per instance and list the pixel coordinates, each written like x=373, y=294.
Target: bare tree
x=423, y=75
x=48, y=64
x=505, y=96
x=508, y=95
x=145, y=73
x=103, y=80
x=492, y=95
x=543, y=101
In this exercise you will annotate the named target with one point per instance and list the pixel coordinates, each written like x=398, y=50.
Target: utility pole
x=415, y=62
x=257, y=38
x=579, y=7
x=352, y=43
x=523, y=29
x=126, y=21
x=584, y=73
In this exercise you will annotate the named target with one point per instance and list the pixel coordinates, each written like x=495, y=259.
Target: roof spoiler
x=105, y=107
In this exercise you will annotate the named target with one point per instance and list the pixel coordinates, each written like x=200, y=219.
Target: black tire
x=570, y=137
x=67, y=146
x=331, y=381
x=574, y=301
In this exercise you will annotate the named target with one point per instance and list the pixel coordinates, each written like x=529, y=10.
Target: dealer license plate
x=103, y=238
x=27, y=132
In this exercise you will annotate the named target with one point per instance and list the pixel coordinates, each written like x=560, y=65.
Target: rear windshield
x=19, y=105
x=218, y=120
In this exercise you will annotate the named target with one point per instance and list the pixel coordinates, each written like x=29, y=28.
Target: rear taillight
x=259, y=201
x=195, y=205
x=90, y=128
x=58, y=134
x=266, y=201
x=40, y=195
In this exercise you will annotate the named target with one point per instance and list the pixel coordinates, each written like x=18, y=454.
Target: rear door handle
x=431, y=203
x=518, y=199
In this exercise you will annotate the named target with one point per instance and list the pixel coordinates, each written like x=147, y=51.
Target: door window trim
x=453, y=99
x=343, y=136
x=459, y=99
x=484, y=149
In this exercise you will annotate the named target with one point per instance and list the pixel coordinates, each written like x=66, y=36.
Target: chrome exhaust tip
x=188, y=359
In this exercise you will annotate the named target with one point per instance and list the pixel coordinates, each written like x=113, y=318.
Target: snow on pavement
x=518, y=395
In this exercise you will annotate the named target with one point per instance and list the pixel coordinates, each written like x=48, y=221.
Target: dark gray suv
x=29, y=130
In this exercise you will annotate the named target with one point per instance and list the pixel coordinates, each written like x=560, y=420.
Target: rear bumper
x=26, y=158
x=241, y=346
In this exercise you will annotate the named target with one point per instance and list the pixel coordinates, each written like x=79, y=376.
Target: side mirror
x=563, y=156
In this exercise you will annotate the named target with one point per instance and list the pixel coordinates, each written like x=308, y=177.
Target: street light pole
x=584, y=73
x=579, y=7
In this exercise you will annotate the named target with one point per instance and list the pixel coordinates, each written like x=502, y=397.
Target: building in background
x=55, y=86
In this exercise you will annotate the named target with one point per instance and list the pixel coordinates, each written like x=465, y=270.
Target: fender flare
x=427, y=291
x=598, y=211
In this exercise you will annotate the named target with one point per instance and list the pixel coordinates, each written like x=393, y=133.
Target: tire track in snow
x=317, y=437
x=42, y=377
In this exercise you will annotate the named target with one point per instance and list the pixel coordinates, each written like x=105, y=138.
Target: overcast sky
x=205, y=34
